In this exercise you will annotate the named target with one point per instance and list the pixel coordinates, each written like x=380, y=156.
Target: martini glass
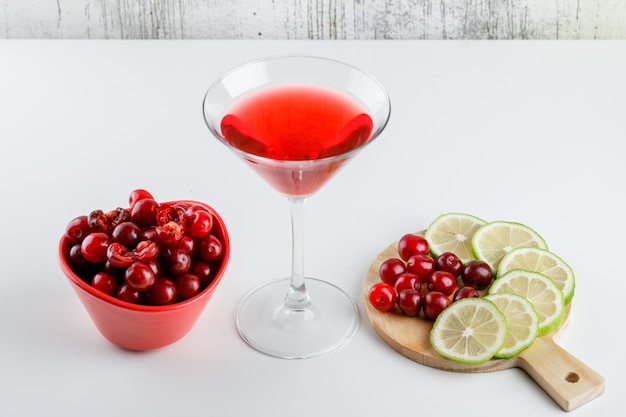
x=296, y=120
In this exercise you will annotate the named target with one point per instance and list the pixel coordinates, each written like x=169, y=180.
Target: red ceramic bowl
x=142, y=327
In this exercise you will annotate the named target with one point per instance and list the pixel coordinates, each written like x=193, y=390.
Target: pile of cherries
x=416, y=282
x=151, y=253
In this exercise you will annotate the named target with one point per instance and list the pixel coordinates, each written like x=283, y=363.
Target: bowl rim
x=84, y=286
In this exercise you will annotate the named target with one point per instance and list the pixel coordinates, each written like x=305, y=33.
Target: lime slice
x=452, y=232
x=495, y=239
x=469, y=331
x=522, y=323
x=541, y=260
x=537, y=288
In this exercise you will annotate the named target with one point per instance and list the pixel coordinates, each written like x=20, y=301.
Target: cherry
x=411, y=244
x=77, y=229
x=449, y=262
x=105, y=283
x=170, y=225
x=116, y=217
x=477, y=274
x=119, y=256
x=114, y=270
x=155, y=265
x=94, y=247
x=406, y=281
x=203, y=270
x=188, y=244
x=465, y=292
x=170, y=213
x=443, y=282
x=149, y=233
x=382, y=296
x=181, y=205
x=434, y=303
x=98, y=221
x=161, y=293
x=144, y=212
x=75, y=256
x=105, y=222
x=390, y=270
x=208, y=248
x=146, y=251
x=127, y=234
x=170, y=234
x=139, y=276
x=137, y=195
x=175, y=261
x=410, y=302
x=187, y=286
x=199, y=221
x=421, y=265
x=126, y=293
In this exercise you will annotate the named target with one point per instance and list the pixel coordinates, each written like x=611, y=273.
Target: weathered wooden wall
x=313, y=19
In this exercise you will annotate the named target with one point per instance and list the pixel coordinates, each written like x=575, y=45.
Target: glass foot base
x=266, y=325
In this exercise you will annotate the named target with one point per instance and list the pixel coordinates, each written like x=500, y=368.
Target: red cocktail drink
x=304, y=124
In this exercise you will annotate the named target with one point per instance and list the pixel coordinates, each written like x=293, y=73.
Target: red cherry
x=147, y=251
x=202, y=270
x=406, y=281
x=187, y=286
x=442, y=281
x=199, y=221
x=175, y=261
x=75, y=256
x=94, y=247
x=127, y=234
x=208, y=248
x=105, y=283
x=410, y=302
x=144, y=212
x=434, y=303
x=477, y=274
x=421, y=265
x=77, y=229
x=139, y=276
x=126, y=293
x=118, y=256
x=411, y=244
x=161, y=293
x=137, y=195
x=390, y=270
x=382, y=296
x=188, y=244
x=465, y=292
x=449, y=262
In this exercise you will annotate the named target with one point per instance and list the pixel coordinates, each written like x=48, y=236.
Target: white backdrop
x=313, y=19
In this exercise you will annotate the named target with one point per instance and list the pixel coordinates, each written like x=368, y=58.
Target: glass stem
x=297, y=297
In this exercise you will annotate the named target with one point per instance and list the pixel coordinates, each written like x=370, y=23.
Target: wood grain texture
x=313, y=19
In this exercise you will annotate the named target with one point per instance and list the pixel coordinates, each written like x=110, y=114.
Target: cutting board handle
x=566, y=379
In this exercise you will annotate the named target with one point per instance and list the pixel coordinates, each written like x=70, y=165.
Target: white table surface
x=524, y=131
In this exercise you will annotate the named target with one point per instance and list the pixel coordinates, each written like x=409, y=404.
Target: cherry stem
x=297, y=297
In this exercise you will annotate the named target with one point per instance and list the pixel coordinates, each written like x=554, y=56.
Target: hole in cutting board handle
x=572, y=377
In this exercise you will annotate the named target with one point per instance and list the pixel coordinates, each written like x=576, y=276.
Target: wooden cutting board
x=566, y=379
